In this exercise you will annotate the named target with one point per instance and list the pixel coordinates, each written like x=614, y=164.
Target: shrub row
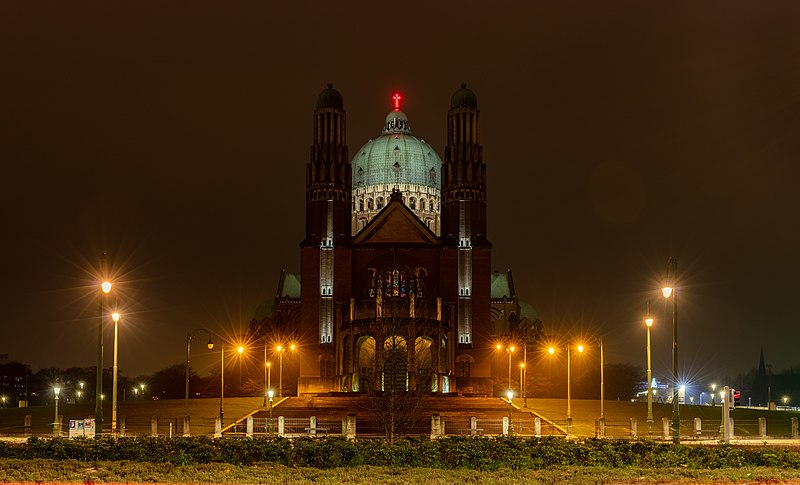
x=451, y=452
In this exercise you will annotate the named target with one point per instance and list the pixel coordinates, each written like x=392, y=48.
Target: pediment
x=396, y=224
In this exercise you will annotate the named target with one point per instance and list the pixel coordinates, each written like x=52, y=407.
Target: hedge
x=479, y=453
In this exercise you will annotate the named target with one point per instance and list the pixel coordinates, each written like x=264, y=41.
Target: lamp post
x=210, y=346
x=221, y=380
x=552, y=351
x=271, y=394
x=521, y=377
x=669, y=292
x=115, y=317
x=602, y=382
x=105, y=288
x=281, y=349
x=56, y=424
x=267, y=374
x=510, y=351
x=510, y=394
x=648, y=321
x=240, y=349
x=80, y=391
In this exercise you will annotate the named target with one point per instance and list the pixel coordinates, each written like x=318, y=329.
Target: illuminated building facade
x=396, y=264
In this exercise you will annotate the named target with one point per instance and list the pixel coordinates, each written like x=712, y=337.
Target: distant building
x=13, y=381
x=396, y=265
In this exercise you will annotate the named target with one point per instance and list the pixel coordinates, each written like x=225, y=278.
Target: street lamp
x=713, y=394
x=509, y=350
x=269, y=376
x=115, y=317
x=552, y=351
x=271, y=394
x=510, y=394
x=210, y=346
x=648, y=321
x=56, y=424
x=521, y=377
x=3, y=398
x=669, y=291
x=141, y=388
x=105, y=288
x=281, y=349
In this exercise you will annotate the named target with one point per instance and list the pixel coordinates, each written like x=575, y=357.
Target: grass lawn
x=70, y=471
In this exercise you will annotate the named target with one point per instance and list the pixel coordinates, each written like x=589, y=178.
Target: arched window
x=422, y=204
x=369, y=203
x=413, y=203
x=380, y=203
x=361, y=204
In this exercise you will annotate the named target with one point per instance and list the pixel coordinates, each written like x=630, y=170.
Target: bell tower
x=328, y=201
x=464, y=217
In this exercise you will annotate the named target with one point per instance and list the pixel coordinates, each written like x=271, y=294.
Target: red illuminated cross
x=396, y=98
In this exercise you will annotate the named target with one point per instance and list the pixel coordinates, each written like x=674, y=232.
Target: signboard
x=81, y=427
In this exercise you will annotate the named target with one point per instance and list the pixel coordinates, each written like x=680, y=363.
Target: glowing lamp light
x=511, y=349
x=115, y=316
x=210, y=344
x=510, y=394
x=580, y=348
x=106, y=286
x=396, y=97
x=498, y=346
x=240, y=349
x=648, y=321
x=552, y=350
x=279, y=348
x=56, y=390
x=291, y=347
x=666, y=291
x=271, y=394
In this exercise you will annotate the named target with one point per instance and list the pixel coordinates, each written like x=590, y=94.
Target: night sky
x=174, y=136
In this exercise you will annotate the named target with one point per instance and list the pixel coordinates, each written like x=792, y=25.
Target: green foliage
x=474, y=453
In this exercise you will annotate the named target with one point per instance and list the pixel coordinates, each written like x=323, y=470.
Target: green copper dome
x=396, y=158
x=464, y=98
x=330, y=98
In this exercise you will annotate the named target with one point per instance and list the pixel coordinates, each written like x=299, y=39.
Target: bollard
x=186, y=426
x=154, y=426
x=312, y=426
x=28, y=424
x=170, y=429
x=250, y=426
x=762, y=427
x=634, y=429
x=218, y=427
x=665, y=425
x=436, y=425
x=600, y=428
x=473, y=426
x=794, y=428
x=505, y=425
x=537, y=426
x=350, y=428
x=569, y=427
x=281, y=425
x=122, y=427
x=698, y=426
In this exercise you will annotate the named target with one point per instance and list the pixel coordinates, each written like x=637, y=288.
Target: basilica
x=396, y=287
